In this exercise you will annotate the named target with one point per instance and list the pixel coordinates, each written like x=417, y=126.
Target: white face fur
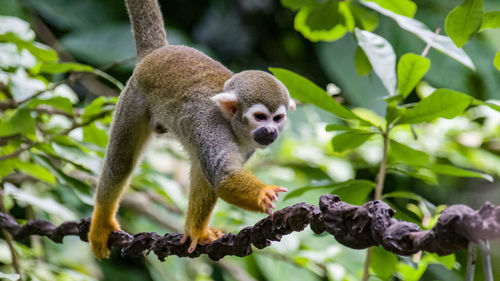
x=258, y=116
x=265, y=126
x=262, y=126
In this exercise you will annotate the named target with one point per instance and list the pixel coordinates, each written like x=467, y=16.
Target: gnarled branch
x=356, y=227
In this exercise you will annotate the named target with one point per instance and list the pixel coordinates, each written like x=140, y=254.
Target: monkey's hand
x=100, y=229
x=201, y=236
x=266, y=197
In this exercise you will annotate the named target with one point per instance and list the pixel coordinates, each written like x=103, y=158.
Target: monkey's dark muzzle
x=265, y=136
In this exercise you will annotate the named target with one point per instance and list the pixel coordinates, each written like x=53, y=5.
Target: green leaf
x=35, y=171
x=422, y=174
x=496, y=61
x=356, y=193
x=445, y=169
x=17, y=27
x=297, y=4
x=448, y=261
x=108, y=77
x=344, y=18
x=489, y=104
x=463, y=21
x=381, y=56
x=363, y=66
x=7, y=167
x=40, y=51
x=48, y=204
x=76, y=155
x=98, y=106
x=403, y=194
x=411, y=69
x=306, y=91
x=401, y=153
x=393, y=112
x=351, y=191
x=61, y=176
x=349, y=140
x=490, y=20
x=52, y=68
x=383, y=263
x=100, y=46
x=338, y=127
x=442, y=103
x=95, y=135
x=438, y=42
x=402, y=7
x=19, y=123
x=61, y=103
x=375, y=120
x=323, y=16
x=365, y=19
x=409, y=273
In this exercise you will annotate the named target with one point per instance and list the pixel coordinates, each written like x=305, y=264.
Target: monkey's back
x=178, y=82
x=179, y=70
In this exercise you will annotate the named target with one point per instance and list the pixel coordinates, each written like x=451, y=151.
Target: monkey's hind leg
x=130, y=131
x=202, y=199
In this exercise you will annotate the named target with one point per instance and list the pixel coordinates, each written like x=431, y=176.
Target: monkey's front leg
x=243, y=189
x=202, y=199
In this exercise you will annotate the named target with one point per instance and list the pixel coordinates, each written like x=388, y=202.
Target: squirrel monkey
x=219, y=117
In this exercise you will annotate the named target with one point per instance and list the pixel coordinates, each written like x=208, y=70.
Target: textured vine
x=356, y=227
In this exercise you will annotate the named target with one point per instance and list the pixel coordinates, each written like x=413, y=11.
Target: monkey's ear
x=291, y=105
x=227, y=103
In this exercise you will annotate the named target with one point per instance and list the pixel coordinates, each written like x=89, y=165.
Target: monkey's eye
x=277, y=118
x=260, y=116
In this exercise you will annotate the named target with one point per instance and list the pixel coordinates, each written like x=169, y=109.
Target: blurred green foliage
x=436, y=113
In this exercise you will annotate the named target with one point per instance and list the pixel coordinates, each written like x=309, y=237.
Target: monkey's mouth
x=265, y=136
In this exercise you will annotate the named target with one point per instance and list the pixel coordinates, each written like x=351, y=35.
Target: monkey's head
x=255, y=103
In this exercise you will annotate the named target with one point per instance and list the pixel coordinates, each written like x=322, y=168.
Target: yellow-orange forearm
x=242, y=189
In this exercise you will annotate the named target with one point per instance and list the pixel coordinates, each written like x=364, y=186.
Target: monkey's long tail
x=147, y=26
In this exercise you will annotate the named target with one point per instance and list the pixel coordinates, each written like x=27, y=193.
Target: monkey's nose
x=265, y=135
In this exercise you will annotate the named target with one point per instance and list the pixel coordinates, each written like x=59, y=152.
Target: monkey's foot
x=98, y=237
x=268, y=195
x=202, y=237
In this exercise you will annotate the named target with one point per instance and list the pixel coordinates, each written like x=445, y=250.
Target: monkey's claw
x=201, y=237
x=98, y=237
x=268, y=195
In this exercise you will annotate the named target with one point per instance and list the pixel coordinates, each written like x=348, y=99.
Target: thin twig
x=485, y=249
x=65, y=132
x=47, y=36
x=6, y=139
x=13, y=104
x=16, y=153
x=429, y=44
x=366, y=266
x=382, y=170
x=83, y=124
x=471, y=261
x=8, y=239
x=155, y=197
x=52, y=111
x=142, y=205
x=378, y=195
x=112, y=65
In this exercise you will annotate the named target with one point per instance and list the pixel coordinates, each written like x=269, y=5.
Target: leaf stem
x=378, y=194
x=382, y=171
